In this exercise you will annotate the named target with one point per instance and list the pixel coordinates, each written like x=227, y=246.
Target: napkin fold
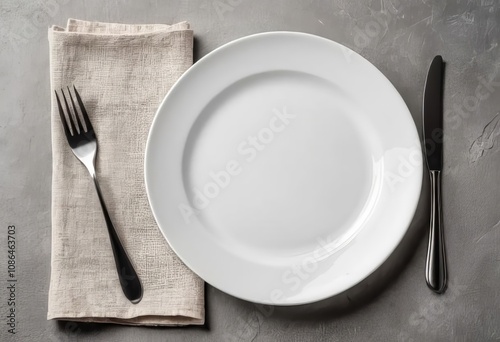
x=122, y=73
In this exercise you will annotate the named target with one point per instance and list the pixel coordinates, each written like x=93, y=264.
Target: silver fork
x=83, y=143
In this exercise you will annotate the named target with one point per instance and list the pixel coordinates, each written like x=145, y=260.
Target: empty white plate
x=283, y=168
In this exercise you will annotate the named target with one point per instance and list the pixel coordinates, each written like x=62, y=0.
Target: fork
x=83, y=143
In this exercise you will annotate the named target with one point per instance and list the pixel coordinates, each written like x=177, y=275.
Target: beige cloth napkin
x=122, y=73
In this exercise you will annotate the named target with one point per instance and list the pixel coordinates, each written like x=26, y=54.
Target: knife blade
x=435, y=267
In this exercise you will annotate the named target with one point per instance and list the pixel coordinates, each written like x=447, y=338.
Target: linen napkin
x=122, y=73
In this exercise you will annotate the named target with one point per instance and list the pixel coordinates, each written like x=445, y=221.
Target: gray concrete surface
x=400, y=37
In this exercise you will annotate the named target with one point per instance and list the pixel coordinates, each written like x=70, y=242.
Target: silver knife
x=435, y=267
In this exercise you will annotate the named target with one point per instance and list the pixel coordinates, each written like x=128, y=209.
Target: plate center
x=277, y=166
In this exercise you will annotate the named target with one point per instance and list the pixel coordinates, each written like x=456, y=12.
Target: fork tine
x=70, y=117
x=84, y=112
x=79, y=122
x=63, y=118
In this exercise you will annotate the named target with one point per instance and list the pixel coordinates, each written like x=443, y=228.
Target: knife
x=435, y=267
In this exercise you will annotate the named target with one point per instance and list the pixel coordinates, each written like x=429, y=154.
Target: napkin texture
x=122, y=73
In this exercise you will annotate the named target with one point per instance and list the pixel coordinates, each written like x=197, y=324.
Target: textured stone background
x=400, y=38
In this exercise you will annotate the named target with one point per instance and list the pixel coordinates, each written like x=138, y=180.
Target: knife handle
x=435, y=267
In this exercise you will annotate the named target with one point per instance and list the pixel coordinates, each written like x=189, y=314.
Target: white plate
x=283, y=168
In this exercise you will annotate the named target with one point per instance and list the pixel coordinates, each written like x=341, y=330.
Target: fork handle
x=129, y=280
